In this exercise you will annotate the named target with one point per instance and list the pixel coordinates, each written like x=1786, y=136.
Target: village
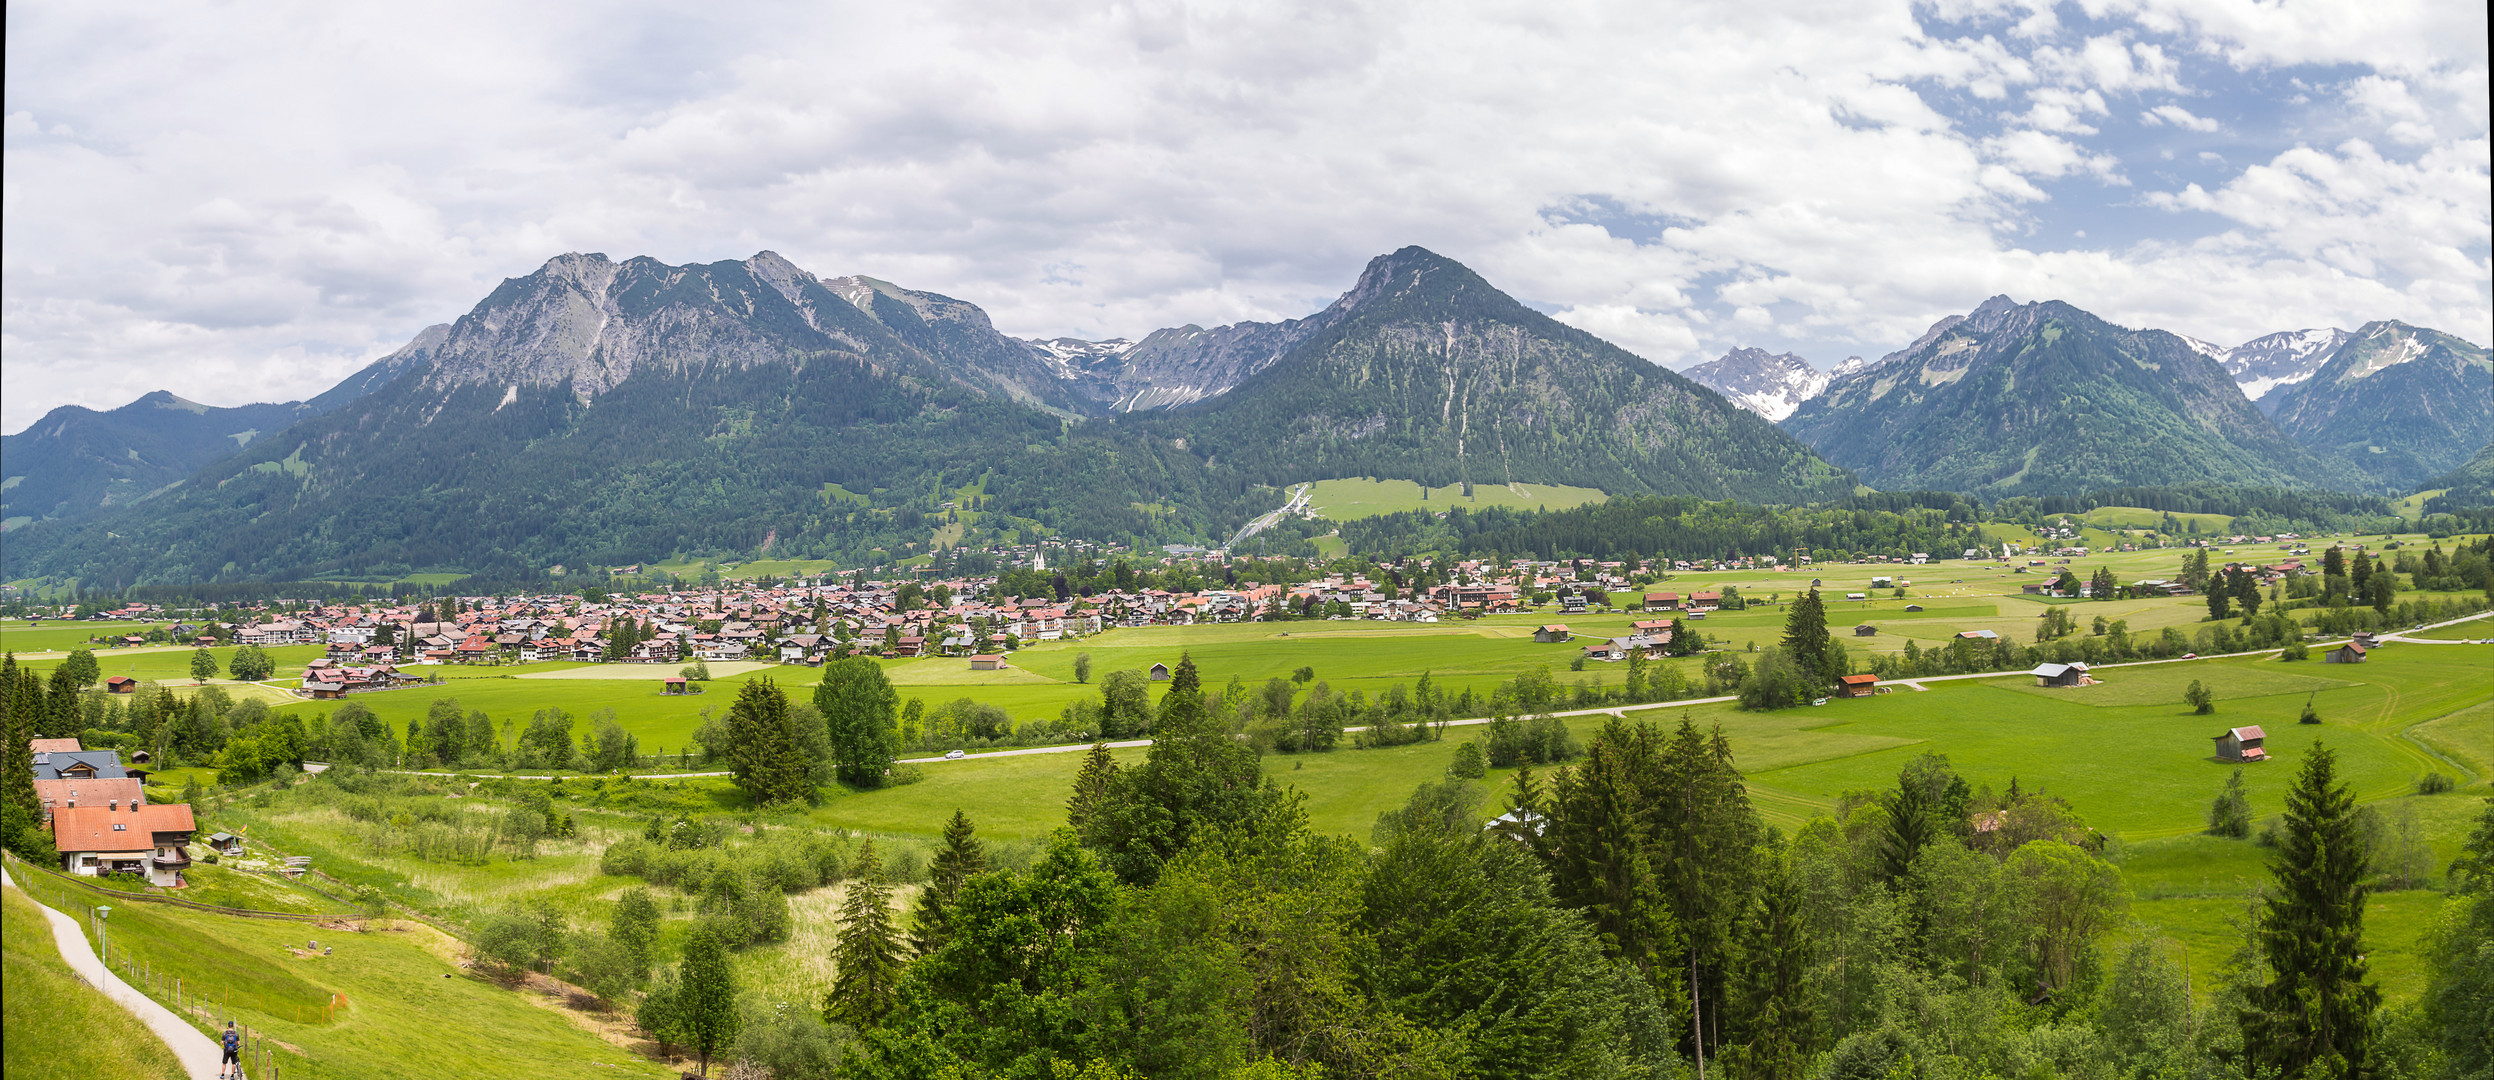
x=983, y=618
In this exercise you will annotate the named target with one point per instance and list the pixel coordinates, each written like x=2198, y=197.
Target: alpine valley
x=599, y=411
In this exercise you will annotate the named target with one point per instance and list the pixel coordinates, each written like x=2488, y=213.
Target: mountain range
x=598, y=410
x=623, y=411
x=2387, y=407
x=76, y=462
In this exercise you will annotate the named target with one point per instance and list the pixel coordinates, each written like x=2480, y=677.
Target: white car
x=955, y=755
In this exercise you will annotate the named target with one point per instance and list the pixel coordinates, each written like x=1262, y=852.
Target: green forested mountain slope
x=2043, y=398
x=2402, y=404
x=1423, y=371
x=600, y=411
x=77, y=462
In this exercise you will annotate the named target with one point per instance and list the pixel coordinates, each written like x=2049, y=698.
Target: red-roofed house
x=65, y=792
x=118, y=837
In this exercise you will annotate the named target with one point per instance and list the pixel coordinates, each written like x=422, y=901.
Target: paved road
x=197, y=1052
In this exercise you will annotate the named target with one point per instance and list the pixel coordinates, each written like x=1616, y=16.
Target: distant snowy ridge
x=1771, y=385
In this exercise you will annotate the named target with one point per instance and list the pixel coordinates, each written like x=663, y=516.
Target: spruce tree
x=2231, y=814
x=1098, y=770
x=1182, y=708
x=866, y=958
x=1807, y=642
x=2316, y=1010
x=20, y=808
x=961, y=858
x=705, y=1010
x=1768, y=1031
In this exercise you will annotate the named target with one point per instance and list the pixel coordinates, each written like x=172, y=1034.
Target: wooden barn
x=2349, y=653
x=1858, y=686
x=2241, y=744
x=1553, y=632
x=2061, y=675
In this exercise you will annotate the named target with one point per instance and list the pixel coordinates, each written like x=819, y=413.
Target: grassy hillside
x=56, y=1026
x=413, y=1011
x=1360, y=497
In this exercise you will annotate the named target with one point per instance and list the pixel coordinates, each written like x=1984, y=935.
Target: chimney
x=111, y=805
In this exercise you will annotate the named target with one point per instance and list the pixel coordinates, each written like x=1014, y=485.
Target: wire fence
x=209, y=1008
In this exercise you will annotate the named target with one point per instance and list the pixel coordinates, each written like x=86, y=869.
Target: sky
x=246, y=202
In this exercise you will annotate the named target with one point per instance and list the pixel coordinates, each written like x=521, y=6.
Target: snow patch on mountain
x=2267, y=365
x=1768, y=384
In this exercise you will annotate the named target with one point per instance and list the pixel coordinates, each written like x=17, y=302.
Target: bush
x=790, y=1041
x=2434, y=783
x=1468, y=763
x=626, y=858
x=507, y=940
x=2202, y=701
x=2295, y=650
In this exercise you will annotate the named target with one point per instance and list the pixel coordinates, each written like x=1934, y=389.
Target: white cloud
x=2035, y=154
x=245, y=203
x=2179, y=117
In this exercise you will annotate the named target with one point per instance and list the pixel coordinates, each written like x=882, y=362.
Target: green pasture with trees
x=1313, y=870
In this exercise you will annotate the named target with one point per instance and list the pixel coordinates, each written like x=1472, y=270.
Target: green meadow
x=406, y=994
x=1361, y=497
x=59, y=1027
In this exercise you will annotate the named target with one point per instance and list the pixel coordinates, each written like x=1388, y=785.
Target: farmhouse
x=1553, y=632
x=123, y=838
x=2241, y=744
x=2061, y=675
x=2349, y=653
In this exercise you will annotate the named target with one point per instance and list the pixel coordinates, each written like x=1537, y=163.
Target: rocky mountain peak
x=1769, y=384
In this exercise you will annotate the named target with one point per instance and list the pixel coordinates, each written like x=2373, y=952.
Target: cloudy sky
x=245, y=202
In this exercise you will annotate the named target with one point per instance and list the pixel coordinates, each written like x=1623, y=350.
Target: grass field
x=1350, y=499
x=59, y=1028
x=53, y=635
x=399, y=1004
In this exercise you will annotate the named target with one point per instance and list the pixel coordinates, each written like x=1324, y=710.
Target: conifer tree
x=2231, y=814
x=20, y=808
x=1808, y=643
x=1594, y=842
x=764, y=748
x=1770, y=1022
x=1182, y=708
x=961, y=858
x=1098, y=770
x=705, y=1011
x=2316, y=1011
x=866, y=958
